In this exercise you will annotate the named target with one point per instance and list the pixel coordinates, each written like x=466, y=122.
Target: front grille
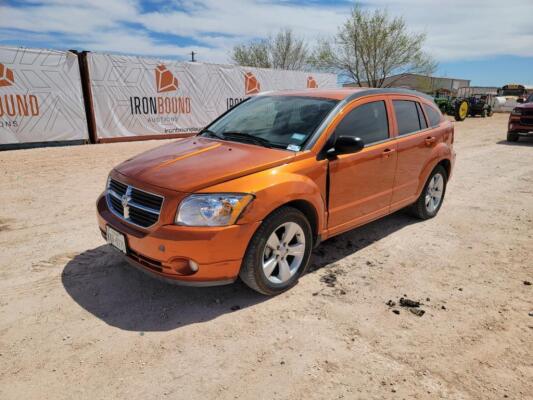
x=117, y=187
x=526, y=120
x=133, y=205
x=527, y=111
x=146, y=261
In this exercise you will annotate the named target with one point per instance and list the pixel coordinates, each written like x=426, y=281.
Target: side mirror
x=520, y=100
x=348, y=145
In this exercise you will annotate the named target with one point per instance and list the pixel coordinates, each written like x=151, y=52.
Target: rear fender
x=440, y=152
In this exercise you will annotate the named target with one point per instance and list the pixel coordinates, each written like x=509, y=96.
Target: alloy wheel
x=434, y=192
x=284, y=252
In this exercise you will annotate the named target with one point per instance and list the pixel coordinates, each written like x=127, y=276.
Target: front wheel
x=512, y=137
x=278, y=253
x=430, y=200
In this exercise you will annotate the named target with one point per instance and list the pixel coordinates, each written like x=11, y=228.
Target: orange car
x=255, y=191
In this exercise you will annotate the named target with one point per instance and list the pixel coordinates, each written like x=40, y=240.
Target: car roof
x=347, y=94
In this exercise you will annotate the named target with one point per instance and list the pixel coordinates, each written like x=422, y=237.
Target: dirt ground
x=77, y=323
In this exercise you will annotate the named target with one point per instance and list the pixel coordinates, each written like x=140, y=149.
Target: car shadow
x=523, y=141
x=351, y=242
x=104, y=284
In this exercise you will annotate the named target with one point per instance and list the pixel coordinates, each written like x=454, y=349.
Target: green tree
x=283, y=51
x=371, y=46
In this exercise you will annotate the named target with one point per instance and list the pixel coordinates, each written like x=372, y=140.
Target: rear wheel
x=278, y=253
x=430, y=200
x=461, y=110
x=512, y=137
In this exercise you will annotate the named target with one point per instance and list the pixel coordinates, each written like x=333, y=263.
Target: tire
x=461, y=110
x=261, y=253
x=421, y=208
x=512, y=137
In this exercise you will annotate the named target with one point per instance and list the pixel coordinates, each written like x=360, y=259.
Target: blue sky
x=489, y=42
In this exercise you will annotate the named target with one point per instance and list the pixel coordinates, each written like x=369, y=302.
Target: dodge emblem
x=125, y=205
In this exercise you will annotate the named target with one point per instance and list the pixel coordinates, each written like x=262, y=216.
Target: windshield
x=511, y=91
x=530, y=99
x=273, y=121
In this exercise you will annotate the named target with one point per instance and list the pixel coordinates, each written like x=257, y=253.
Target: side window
x=434, y=116
x=368, y=121
x=421, y=118
x=407, y=116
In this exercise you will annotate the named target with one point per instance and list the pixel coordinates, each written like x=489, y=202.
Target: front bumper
x=165, y=250
x=517, y=126
x=522, y=132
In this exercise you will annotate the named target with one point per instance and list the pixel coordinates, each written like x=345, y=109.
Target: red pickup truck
x=521, y=120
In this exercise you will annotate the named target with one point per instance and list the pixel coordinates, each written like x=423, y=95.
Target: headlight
x=212, y=209
x=517, y=111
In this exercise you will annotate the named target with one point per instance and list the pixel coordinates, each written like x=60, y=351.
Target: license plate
x=116, y=239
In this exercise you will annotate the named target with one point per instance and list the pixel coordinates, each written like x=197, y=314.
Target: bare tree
x=371, y=46
x=282, y=51
x=253, y=54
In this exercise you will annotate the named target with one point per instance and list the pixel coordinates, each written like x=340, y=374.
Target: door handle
x=430, y=140
x=387, y=152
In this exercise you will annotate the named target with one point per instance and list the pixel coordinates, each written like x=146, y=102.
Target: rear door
x=415, y=141
x=361, y=183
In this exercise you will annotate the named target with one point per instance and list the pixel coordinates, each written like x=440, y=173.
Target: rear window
x=434, y=116
x=407, y=116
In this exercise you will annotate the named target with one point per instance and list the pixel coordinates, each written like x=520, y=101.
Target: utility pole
x=192, y=56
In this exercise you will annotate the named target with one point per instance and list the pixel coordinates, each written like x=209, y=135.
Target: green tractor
x=449, y=105
x=461, y=109
x=481, y=104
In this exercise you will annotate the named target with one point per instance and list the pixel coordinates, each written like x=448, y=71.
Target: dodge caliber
x=259, y=187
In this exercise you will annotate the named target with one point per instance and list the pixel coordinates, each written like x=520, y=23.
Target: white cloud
x=246, y=18
x=139, y=43
x=456, y=30
x=469, y=29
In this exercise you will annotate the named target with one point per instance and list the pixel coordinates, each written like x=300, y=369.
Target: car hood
x=194, y=163
x=525, y=105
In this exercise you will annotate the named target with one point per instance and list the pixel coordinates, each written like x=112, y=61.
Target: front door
x=361, y=183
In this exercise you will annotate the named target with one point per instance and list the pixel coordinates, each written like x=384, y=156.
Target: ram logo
x=165, y=80
x=251, y=84
x=7, y=78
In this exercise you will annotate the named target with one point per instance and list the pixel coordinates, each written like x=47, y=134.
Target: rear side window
x=408, y=116
x=434, y=116
x=368, y=122
x=421, y=118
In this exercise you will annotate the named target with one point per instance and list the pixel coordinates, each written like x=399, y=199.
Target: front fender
x=278, y=186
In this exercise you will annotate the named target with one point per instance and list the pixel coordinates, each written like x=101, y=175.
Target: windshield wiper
x=247, y=137
x=211, y=134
